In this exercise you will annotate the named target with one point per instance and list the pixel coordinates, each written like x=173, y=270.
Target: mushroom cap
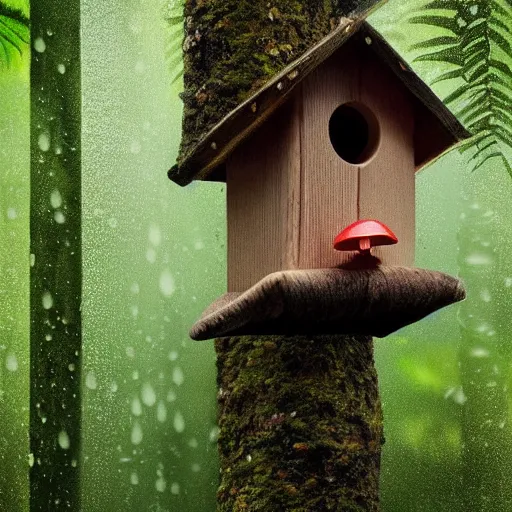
x=377, y=232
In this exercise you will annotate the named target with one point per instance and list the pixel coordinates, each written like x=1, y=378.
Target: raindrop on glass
x=148, y=394
x=90, y=381
x=59, y=217
x=56, y=199
x=47, y=300
x=167, y=286
x=177, y=376
x=136, y=407
x=39, y=45
x=161, y=412
x=179, y=422
x=64, y=441
x=43, y=141
x=11, y=363
x=136, y=435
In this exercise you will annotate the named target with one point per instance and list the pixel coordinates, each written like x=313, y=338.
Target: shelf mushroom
x=363, y=235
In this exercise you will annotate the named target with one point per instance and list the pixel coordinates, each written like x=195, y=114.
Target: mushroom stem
x=364, y=244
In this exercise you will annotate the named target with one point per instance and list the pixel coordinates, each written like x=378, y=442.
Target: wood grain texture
x=329, y=184
x=387, y=182
x=263, y=201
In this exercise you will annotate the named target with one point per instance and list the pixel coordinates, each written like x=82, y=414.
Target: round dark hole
x=354, y=133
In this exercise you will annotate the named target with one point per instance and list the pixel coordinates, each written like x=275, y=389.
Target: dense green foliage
x=14, y=33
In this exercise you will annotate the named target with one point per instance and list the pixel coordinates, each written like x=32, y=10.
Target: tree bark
x=300, y=424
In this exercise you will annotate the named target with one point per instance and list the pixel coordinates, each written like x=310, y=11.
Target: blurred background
x=143, y=425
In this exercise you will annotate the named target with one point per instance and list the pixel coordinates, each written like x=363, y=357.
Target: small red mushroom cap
x=363, y=235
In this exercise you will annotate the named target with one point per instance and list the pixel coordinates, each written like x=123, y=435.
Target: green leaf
x=448, y=55
x=436, y=41
x=448, y=23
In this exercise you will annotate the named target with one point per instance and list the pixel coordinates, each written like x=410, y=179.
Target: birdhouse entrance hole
x=354, y=133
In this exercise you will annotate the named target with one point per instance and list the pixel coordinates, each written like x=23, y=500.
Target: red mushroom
x=363, y=235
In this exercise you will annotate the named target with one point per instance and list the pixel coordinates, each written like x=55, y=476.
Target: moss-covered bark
x=232, y=47
x=300, y=424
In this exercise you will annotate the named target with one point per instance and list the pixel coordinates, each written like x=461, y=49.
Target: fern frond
x=14, y=33
x=174, y=51
x=479, y=45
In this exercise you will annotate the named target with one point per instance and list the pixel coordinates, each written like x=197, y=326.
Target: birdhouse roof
x=210, y=138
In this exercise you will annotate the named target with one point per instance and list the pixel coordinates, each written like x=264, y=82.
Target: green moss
x=233, y=47
x=300, y=426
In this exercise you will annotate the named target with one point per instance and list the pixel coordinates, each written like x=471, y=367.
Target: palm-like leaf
x=174, y=52
x=14, y=33
x=476, y=43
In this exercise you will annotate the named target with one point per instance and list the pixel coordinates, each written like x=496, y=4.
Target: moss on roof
x=233, y=47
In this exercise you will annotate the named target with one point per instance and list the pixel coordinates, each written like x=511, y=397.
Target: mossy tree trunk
x=300, y=424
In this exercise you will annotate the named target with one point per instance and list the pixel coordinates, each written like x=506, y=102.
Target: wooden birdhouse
x=319, y=159
x=337, y=136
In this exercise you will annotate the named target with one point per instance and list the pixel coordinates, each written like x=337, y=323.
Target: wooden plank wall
x=290, y=194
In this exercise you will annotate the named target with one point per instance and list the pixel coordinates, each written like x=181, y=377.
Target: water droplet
x=31, y=460
x=479, y=259
x=112, y=222
x=193, y=442
x=59, y=217
x=508, y=282
x=43, y=141
x=136, y=407
x=173, y=355
x=135, y=288
x=214, y=434
x=48, y=337
x=135, y=147
x=148, y=394
x=171, y=396
x=474, y=9
x=160, y=484
x=140, y=66
x=155, y=235
x=198, y=245
x=135, y=375
x=248, y=458
x=61, y=68
x=485, y=295
x=130, y=352
x=64, y=441
x=47, y=300
x=151, y=255
x=136, y=436
x=179, y=422
x=135, y=310
x=134, y=478
x=39, y=45
x=175, y=488
x=177, y=376
x=32, y=259
x=56, y=199
x=90, y=381
x=11, y=363
x=71, y=367
x=479, y=352
x=167, y=286
x=11, y=213
x=161, y=412
x=113, y=386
